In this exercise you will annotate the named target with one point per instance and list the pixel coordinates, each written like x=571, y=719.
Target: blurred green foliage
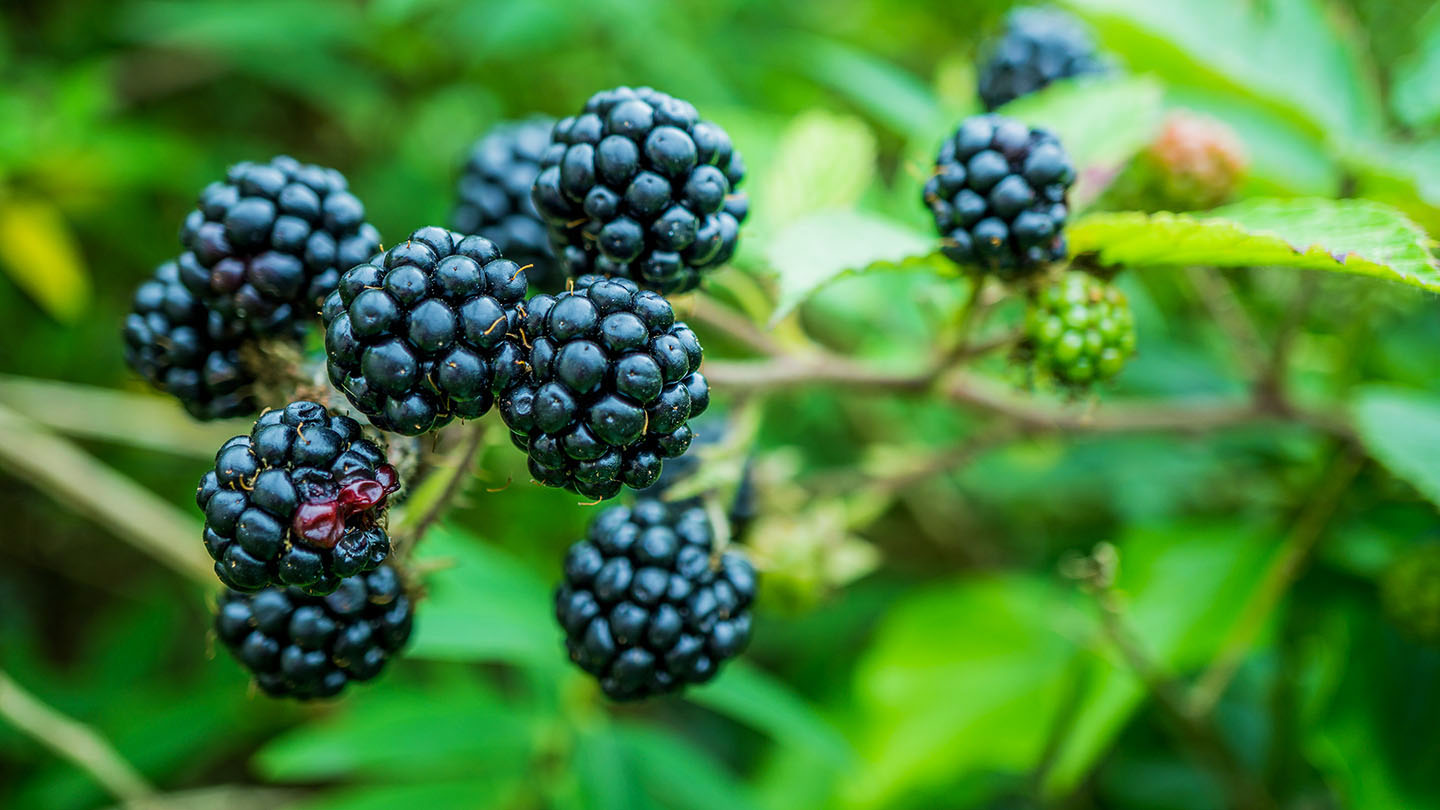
x=973, y=667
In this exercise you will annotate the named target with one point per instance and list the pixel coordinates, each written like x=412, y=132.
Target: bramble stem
x=1282, y=573
x=71, y=740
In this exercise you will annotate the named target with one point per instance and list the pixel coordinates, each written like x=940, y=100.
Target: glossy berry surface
x=637, y=186
x=265, y=245
x=185, y=349
x=302, y=646
x=998, y=196
x=1080, y=331
x=300, y=501
x=612, y=381
x=494, y=198
x=1039, y=46
x=427, y=332
x=646, y=605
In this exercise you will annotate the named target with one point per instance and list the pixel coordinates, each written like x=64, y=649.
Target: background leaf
x=41, y=256
x=1402, y=429
x=823, y=247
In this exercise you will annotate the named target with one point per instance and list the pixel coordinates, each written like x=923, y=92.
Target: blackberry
x=1039, y=46
x=612, y=381
x=1195, y=163
x=268, y=243
x=998, y=196
x=303, y=646
x=1079, y=331
x=646, y=605
x=494, y=198
x=300, y=501
x=185, y=349
x=424, y=332
x=637, y=186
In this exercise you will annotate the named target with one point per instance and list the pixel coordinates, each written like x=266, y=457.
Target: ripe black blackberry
x=268, y=243
x=303, y=646
x=494, y=198
x=185, y=349
x=612, y=381
x=637, y=186
x=998, y=196
x=427, y=331
x=1039, y=46
x=300, y=501
x=647, y=607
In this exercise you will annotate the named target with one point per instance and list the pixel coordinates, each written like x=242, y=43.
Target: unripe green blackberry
x=1079, y=331
x=1410, y=592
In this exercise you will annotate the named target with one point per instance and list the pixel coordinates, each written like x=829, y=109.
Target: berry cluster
x=638, y=187
x=304, y=646
x=268, y=243
x=297, y=502
x=612, y=381
x=186, y=349
x=1039, y=46
x=1079, y=331
x=998, y=196
x=647, y=607
x=494, y=198
x=427, y=332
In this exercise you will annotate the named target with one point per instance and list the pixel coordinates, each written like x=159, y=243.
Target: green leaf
x=1183, y=588
x=897, y=99
x=818, y=249
x=802, y=176
x=936, y=706
x=677, y=775
x=1083, y=114
x=40, y=254
x=750, y=696
x=1343, y=236
x=484, y=606
x=1414, y=93
x=1289, y=53
x=458, y=731
x=1402, y=430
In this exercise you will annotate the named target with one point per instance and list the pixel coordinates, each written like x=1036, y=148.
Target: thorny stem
x=1201, y=737
x=1283, y=571
x=454, y=485
x=72, y=740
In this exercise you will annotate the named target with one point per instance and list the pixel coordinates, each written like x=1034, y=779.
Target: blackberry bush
x=646, y=605
x=494, y=197
x=300, y=501
x=637, y=186
x=1079, y=331
x=427, y=331
x=612, y=381
x=998, y=196
x=268, y=243
x=304, y=646
x=185, y=349
x=1039, y=46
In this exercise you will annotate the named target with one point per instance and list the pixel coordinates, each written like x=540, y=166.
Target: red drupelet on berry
x=300, y=501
